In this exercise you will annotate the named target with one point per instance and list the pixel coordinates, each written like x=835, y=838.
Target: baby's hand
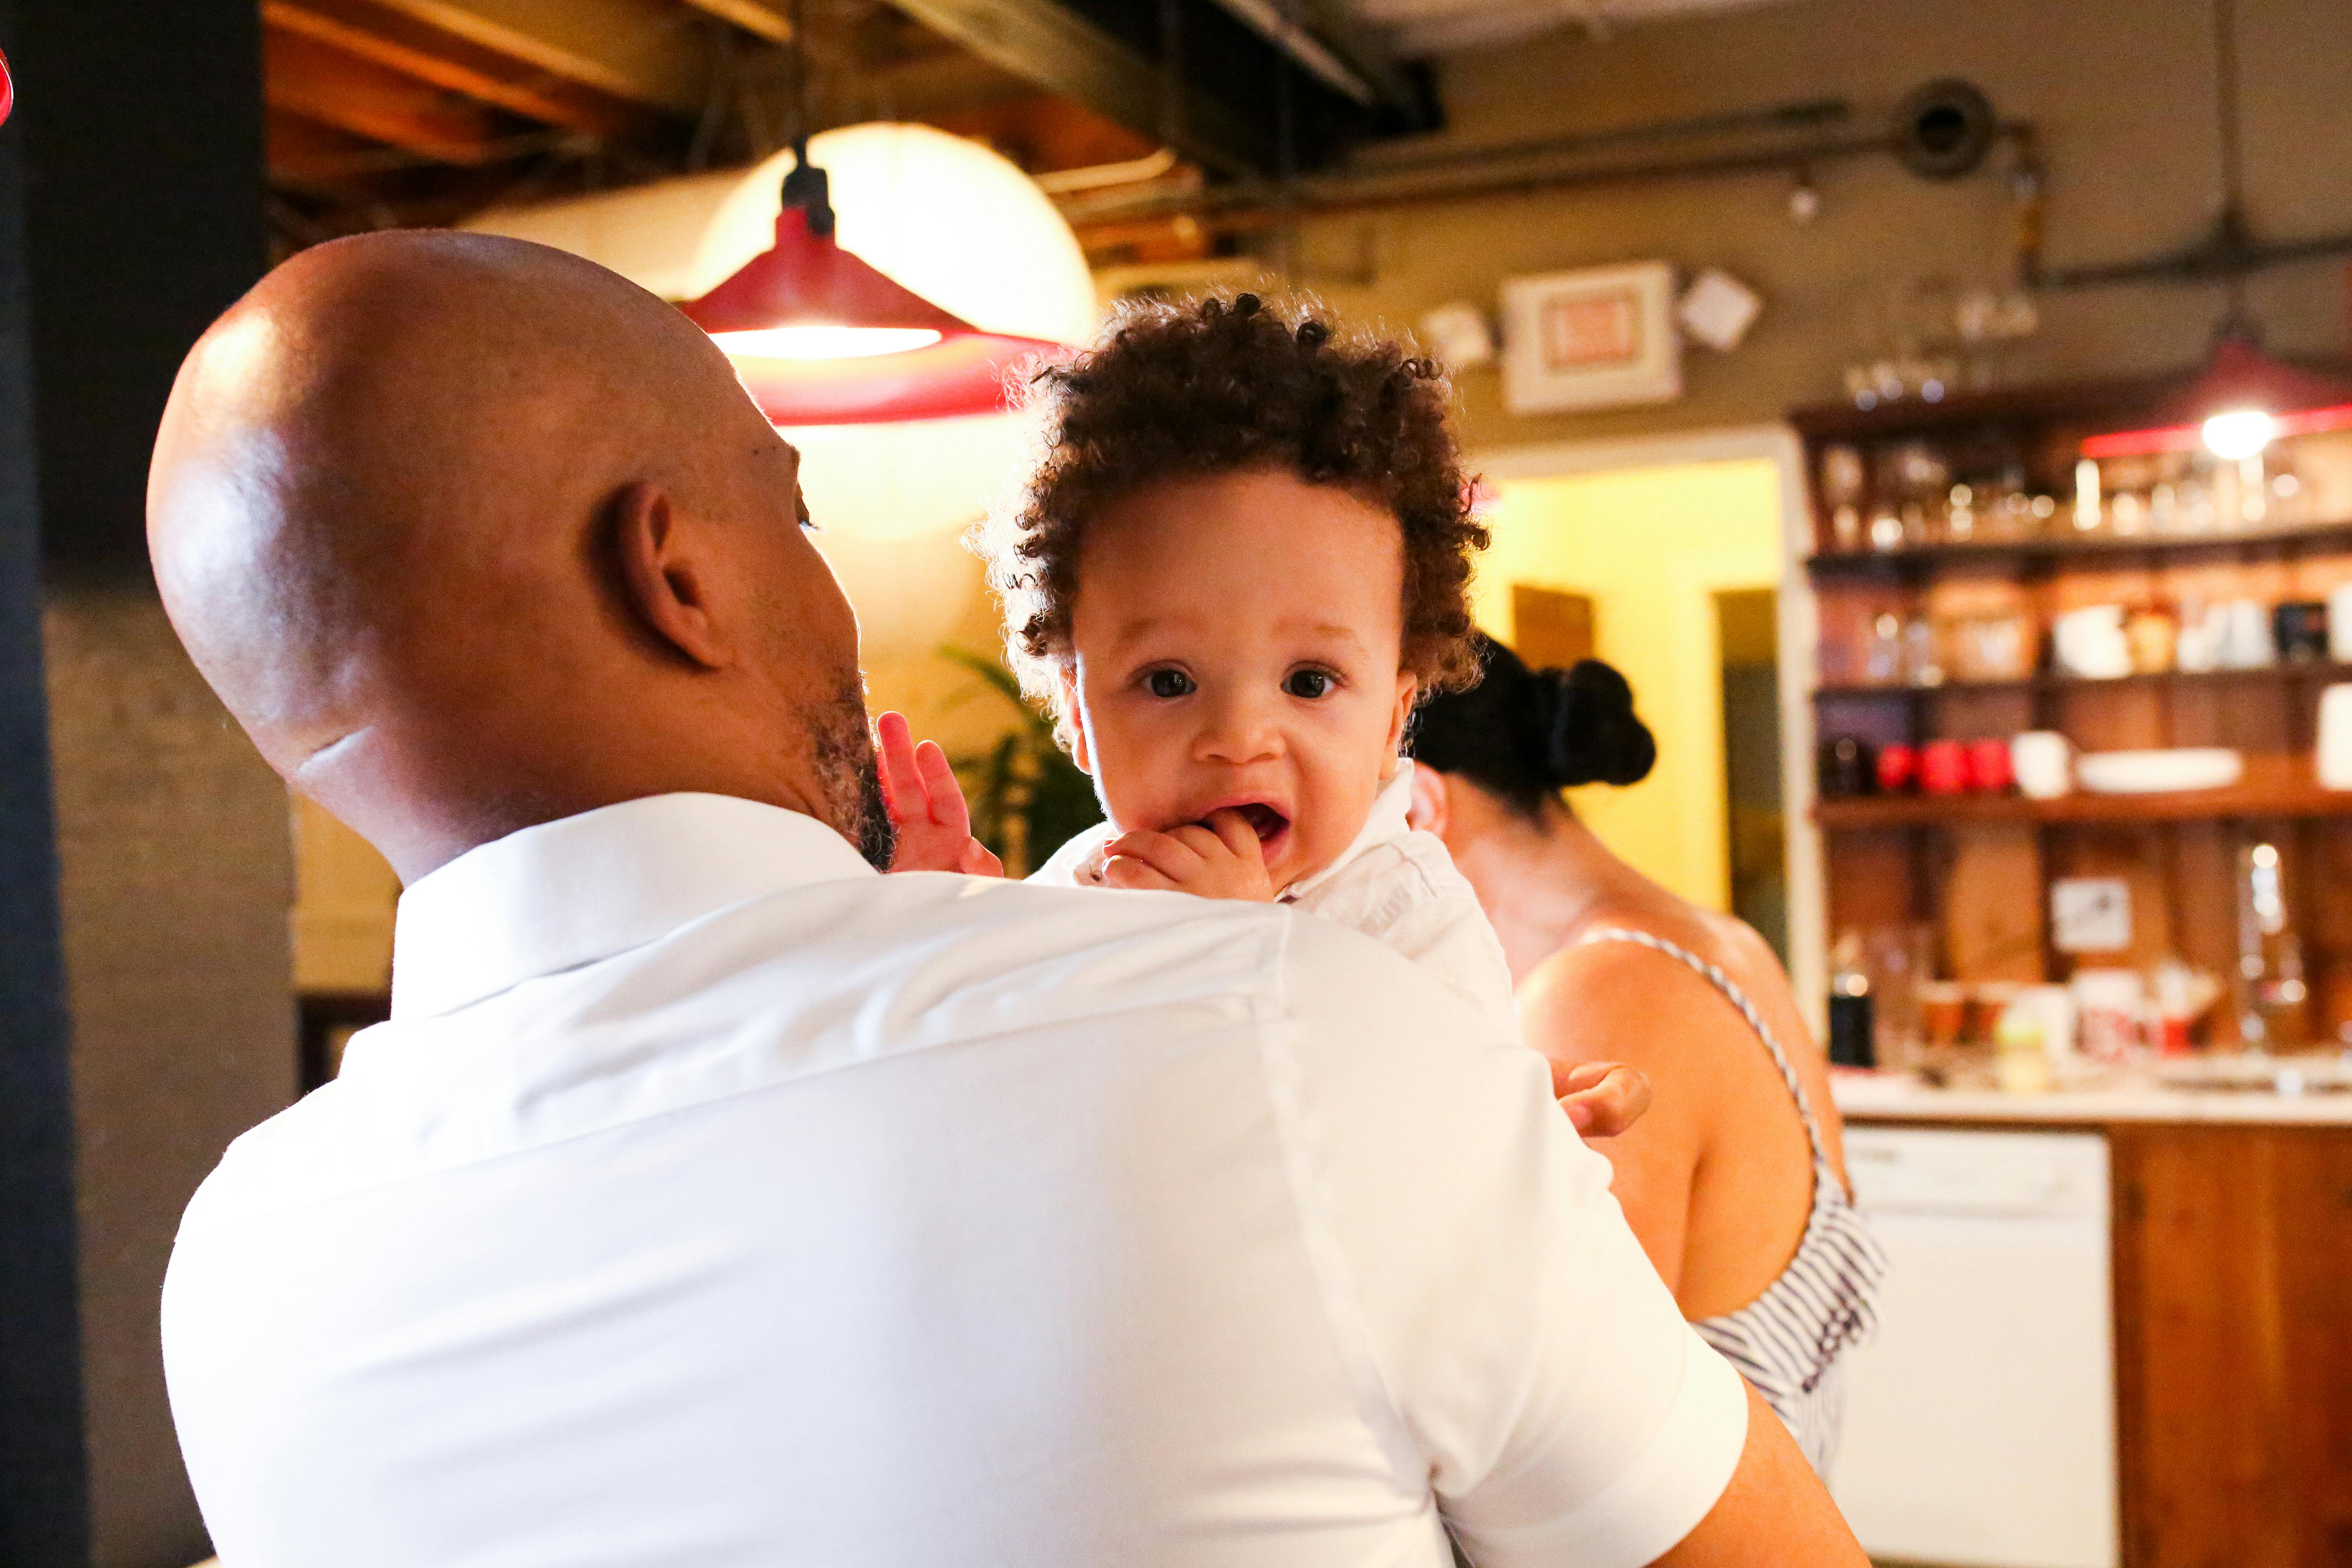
x=1221, y=860
x=927, y=807
x=1601, y=1099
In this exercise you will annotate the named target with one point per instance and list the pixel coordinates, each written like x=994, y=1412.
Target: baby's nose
x=1241, y=731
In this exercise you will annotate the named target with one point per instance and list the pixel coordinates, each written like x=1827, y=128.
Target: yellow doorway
x=1650, y=548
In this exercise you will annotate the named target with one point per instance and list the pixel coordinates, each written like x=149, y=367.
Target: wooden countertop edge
x=2092, y=1109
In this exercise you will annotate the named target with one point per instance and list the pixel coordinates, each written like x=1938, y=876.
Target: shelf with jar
x=2051, y=664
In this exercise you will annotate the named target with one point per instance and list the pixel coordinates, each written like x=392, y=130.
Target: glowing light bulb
x=2239, y=434
x=823, y=342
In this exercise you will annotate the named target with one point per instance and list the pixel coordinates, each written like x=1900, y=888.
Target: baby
x=1242, y=559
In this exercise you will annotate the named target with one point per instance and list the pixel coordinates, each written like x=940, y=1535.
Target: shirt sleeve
x=1509, y=1330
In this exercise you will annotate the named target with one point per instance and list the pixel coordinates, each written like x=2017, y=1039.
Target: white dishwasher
x=1979, y=1423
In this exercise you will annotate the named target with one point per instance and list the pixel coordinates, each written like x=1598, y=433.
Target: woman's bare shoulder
x=1622, y=1001
x=1617, y=1001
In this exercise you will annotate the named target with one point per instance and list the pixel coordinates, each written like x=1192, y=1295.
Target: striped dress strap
x=1732, y=992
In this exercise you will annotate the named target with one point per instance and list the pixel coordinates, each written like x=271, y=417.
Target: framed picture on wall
x=1595, y=337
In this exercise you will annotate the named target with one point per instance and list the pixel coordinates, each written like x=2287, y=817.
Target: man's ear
x=1433, y=807
x=1074, y=722
x=666, y=580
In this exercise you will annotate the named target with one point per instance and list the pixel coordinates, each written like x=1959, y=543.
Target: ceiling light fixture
x=822, y=338
x=7, y=91
x=2243, y=400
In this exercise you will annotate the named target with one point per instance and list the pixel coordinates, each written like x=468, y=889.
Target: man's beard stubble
x=842, y=743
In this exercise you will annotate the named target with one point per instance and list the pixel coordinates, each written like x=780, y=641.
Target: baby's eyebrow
x=1336, y=632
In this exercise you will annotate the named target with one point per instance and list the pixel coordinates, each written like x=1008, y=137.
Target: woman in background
x=1734, y=1181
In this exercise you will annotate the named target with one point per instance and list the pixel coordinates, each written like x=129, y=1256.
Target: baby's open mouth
x=1264, y=820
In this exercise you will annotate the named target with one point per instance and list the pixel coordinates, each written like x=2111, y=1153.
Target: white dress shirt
x=710, y=1201
x=1393, y=883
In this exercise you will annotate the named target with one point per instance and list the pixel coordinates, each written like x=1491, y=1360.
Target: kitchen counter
x=1901, y=1097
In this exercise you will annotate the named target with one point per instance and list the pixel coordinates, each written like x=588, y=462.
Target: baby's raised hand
x=927, y=805
x=1222, y=860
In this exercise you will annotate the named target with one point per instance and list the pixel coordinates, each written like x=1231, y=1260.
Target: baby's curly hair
x=1225, y=387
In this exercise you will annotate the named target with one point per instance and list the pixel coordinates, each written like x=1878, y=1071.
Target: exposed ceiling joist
x=307, y=153
x=754, y=16
x=1054, y=47
x=648, y=51
x=1334, y=26
x=392, y=39
x=328, y=86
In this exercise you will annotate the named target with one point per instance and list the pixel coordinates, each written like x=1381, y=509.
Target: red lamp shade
x=2239, y=378
x=848, y=345
x=7, y=91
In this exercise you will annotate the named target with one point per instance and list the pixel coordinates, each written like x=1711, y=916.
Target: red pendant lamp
x=822, y=338
x=2243, y=399
x=7, y=91
x=2240, y=403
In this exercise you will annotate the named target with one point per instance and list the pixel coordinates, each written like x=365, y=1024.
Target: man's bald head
x=469, y=534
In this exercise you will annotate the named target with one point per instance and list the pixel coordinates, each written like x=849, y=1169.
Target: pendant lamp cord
x=2232, y=149
x=805, y=188
x=1286, y=132
x=1171, y=72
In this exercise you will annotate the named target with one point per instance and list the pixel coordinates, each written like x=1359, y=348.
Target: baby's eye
x=1309, y=683
x=1168, y=683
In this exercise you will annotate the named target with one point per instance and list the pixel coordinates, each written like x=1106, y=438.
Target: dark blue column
x=145, y=1016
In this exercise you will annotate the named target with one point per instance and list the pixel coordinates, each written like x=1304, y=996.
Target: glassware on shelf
x=2090, y=496
x=2253, y=491
x=2272, y=995
x=1992, y=646
x=1960, y=513
x=2204, y=636
x=1843, y=479
x=1842, y=476
x=1922, y=663
x=1882, y=659
x=1886, y=528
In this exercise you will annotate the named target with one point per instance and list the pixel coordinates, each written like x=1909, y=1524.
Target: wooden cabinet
x=2233, y=1344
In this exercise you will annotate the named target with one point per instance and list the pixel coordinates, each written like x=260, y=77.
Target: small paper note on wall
x=2089, y=914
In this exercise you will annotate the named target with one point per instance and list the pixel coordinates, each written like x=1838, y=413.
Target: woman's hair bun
x=1593, y=736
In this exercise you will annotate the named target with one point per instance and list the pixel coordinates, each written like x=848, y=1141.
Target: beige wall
x=2121, y=91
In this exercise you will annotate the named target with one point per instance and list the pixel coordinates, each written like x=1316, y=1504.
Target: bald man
x=711, y=1200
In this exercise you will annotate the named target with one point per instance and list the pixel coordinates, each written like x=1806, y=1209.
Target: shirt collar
x=1388, y=821
x=569, y=892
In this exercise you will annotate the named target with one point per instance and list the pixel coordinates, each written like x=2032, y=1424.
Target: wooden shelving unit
x=1975, y=870
x=2317, y=671
x=2272, y=787
x=2054, y=547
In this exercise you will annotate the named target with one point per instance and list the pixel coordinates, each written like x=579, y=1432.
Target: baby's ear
x=1068, y=725
x=1408, y=686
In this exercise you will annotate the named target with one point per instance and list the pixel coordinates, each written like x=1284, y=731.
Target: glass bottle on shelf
x=2272, y=1014
x=1852, y=1034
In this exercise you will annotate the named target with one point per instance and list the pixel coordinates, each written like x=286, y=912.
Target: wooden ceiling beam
x=651, y=52
x=756, y=17
x=400, y=42
x=1059, y=51
x=324, y=84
